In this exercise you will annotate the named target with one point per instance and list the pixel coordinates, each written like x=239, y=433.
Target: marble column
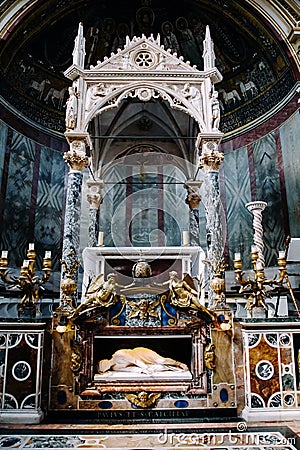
x=94, y=198
x=193, y=199
x=77, y=160
x=210, y=160
x=256, y=208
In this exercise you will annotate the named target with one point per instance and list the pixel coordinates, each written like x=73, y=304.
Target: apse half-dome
x=37, y=43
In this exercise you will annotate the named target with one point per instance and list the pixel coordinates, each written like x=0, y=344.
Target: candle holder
x=27, y=282
x=257, y=287
x=283, y=280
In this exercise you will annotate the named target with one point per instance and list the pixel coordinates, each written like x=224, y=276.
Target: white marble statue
x=140, y=360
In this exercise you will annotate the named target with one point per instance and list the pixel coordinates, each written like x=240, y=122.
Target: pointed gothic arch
x=143, y=70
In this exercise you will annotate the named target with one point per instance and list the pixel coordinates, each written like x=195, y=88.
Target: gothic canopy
x=258, y=65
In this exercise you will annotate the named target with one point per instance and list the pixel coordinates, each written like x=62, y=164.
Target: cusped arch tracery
x=186, y=98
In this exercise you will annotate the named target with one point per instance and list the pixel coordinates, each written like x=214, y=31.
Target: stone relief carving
x=95, y=93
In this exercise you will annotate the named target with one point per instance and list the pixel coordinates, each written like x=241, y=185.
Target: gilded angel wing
x=152, y=399
x=134, y=309
x=152, y=307
x=189, y=280
x=132, y=398
x=96, y=284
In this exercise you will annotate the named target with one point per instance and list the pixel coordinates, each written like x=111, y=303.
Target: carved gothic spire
x=79, y=48
x=208, y=50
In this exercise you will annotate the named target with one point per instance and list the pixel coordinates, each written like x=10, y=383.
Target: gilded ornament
x=211, y=160
x=143, y=399
x=209, y=356
x=28, y=282
x=76, y=357
x=217, y=283
x=143, y=309
x=193, y=200
x=76, y=161
x=68, y=283
x=184, y=295
x=141, y=269
x=101, y=293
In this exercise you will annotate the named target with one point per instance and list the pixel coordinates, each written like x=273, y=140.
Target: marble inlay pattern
x=147, y=439
x=270, y=371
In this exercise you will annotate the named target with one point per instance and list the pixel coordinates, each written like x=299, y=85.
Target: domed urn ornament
x=141, y=271
x=68, y=284
x=217, y=283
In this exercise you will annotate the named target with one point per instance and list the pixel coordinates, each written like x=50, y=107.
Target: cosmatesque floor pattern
x=239, y=436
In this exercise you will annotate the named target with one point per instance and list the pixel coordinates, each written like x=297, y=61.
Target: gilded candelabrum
x=257, y=287
x=284, y=280
x=27, y=282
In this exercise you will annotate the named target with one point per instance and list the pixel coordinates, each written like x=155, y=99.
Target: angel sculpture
x=100, y=293
x=183, y=293
x=143, y=309
x=143, y=399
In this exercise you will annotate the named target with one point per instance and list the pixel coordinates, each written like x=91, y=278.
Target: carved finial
x=208, y=50
x=79, y=48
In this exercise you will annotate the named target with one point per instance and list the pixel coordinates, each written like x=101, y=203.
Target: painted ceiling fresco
x=257, y=74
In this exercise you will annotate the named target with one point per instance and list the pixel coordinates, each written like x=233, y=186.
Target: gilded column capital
x=193, y=197
x=80, y=144
x=76, y=160
x=193, y=200
x=211, y=160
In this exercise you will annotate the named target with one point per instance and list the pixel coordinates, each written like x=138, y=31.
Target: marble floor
x=221, y=436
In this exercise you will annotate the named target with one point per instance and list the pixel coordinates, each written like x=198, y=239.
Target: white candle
x=26, y=263
x=281, y=254
x=253, y=249
x=237, y=256
x=185, y=238
x=100, y=238
x=47, y=254
x=31, y=246
x=259, y=265
x=4, y=254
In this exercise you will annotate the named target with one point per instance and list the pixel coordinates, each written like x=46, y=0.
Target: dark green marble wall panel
x=268, y=189
x=289, y=134
x=237, y=194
